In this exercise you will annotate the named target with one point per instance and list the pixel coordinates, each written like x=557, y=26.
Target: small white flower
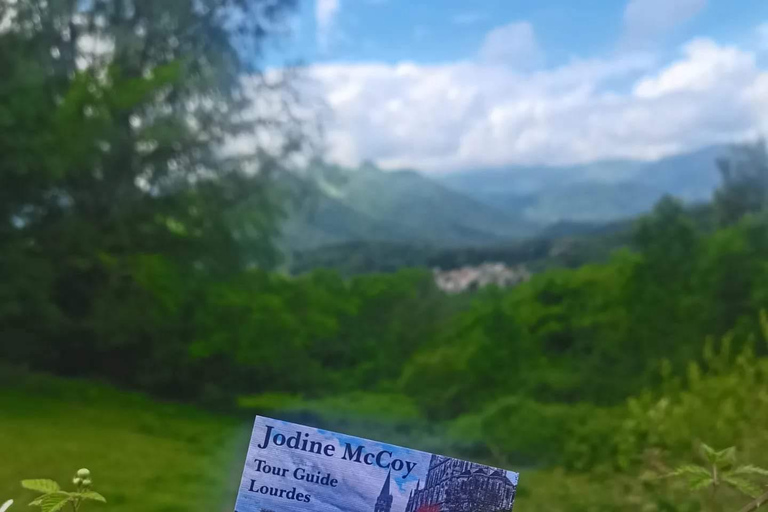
x=6, y=505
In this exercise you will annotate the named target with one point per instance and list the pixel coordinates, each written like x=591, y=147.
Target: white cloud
x=325, y=14
x=646, y=21
x=705, y=66
x=484, y=112
x=514, y=45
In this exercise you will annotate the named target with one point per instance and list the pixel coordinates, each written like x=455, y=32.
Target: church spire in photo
x=384, y=501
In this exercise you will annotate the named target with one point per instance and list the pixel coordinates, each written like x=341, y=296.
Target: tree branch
x=756, y=503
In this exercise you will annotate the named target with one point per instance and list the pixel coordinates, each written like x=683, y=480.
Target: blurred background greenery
x=149, y=307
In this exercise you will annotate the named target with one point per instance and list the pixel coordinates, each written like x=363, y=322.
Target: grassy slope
x=144, y=455
x=157, y=457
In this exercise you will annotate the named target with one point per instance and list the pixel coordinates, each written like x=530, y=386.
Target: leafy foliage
x=41, y=485
x=116, y=121
x=54, y=499
x=745, y=182
x=721, y=469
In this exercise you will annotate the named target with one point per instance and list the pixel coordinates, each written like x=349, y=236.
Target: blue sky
x=443, y=85
x=430, y=31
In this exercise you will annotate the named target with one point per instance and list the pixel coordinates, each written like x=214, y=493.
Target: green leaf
x=709, y=453
x=700, y=482
x=749, y=470
x=41, y=485
x=55, y=506
x=690, y=471
x=697, y=476
x=742, y=485
x=93, y=495
x=726, y=457
x=53, y=502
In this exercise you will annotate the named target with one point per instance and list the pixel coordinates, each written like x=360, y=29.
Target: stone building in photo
x=460, y=486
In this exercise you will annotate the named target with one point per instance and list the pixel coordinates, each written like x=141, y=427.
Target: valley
x=487, y=208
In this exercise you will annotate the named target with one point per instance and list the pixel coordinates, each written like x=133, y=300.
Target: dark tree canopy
x=136, y=135
x=744, y=189
x=133, y=107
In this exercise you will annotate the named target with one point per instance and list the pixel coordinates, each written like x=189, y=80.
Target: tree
x=149, y=98
x=132, y=128
x=744, y=186
x=659, y=295
x=666, y=237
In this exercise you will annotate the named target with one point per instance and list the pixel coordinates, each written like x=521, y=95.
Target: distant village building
x=473, y=278
x=459, y=486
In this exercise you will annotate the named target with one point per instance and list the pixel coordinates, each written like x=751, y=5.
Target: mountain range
x=598, y=192
x=369, y=204
x=487, y=206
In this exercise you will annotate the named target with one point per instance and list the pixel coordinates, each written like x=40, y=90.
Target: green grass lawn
x=144, y=455
x=149, y=456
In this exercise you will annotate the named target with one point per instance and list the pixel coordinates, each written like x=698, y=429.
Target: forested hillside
x=368, y=204
x=561, y=245
x=216, y=337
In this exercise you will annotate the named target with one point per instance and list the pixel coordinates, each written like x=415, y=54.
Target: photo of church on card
x=453, y=485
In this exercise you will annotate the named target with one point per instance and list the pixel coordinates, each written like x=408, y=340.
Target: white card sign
x=292, y=467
